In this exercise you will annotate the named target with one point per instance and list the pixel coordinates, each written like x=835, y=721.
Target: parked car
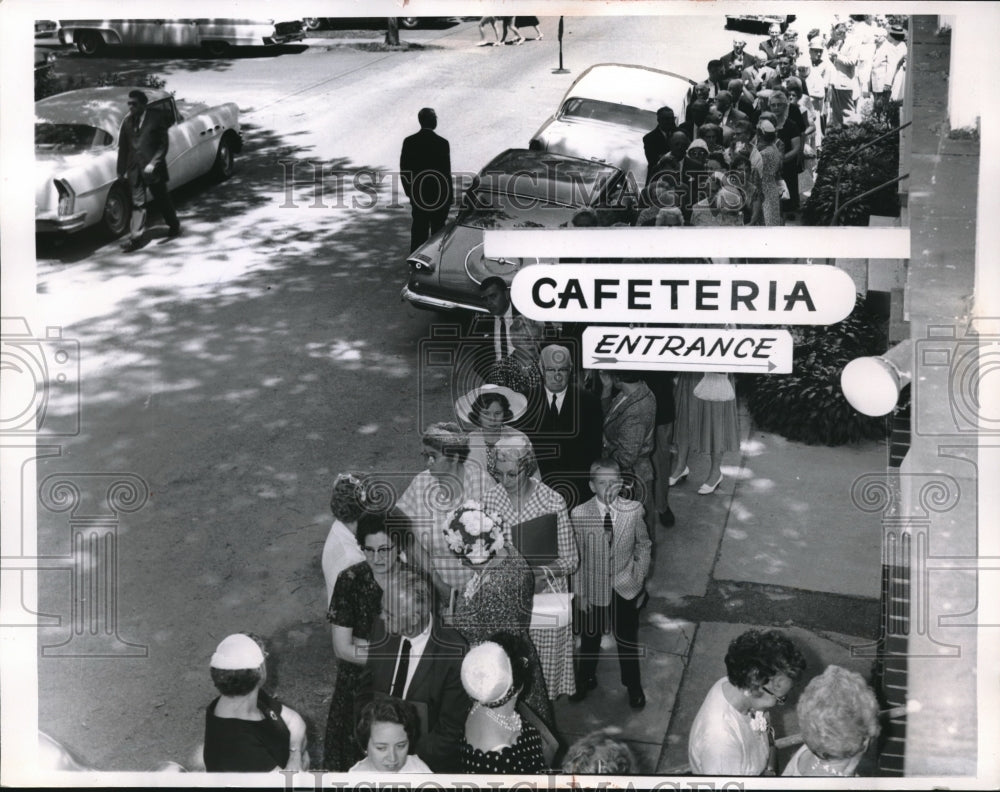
x=608, y=109
x=758, y=21
x=216, y=36
x=409, y=23
x=76, y=154
x=517, y=189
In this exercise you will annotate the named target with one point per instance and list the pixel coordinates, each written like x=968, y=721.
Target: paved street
x=237, y=369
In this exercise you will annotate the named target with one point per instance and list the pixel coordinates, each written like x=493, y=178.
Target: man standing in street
x=425, y=170
x=656, y=143
x=142, y=160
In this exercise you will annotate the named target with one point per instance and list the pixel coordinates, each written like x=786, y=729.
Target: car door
x=182, y=163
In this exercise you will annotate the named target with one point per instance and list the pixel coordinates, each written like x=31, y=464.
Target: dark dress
x=502, y=603
x=233, y=745
x=356, y=603
x=792, y=128
x=523, y=757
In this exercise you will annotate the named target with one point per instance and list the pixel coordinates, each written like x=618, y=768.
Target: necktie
x=609, y=528
x=554, y=408
x=399, y=682
x=504, y=339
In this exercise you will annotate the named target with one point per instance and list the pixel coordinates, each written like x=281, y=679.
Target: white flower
x=472, y=522
x=471, y=505
x=758, y=721
x=478, y=554
x=497, y=542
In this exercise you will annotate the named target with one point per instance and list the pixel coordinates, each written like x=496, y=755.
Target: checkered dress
x=555, y=646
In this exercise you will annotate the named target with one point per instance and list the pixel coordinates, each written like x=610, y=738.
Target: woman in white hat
x=246, y=730
x=490, y=408
x=497, y=739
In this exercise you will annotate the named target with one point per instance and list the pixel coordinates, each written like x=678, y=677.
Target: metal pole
x=560, y=70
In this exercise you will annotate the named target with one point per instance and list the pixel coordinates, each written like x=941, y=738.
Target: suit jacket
x=734, y=68
x=436, y=684
x=774, y=50
x=426, y=161
x=565, y=445
x=754, y=78
x=630, y=431
x=655, y=143
x=624, y=565
x=525, y=334
x=148, y=145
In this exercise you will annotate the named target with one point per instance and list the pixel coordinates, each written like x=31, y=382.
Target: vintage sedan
x=606, y=112
x=517, y=189
x=76, y=154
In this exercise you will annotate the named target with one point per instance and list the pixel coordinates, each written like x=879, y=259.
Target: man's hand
x=148, y=170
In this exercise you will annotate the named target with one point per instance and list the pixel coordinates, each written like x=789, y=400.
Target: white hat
x=236, y=653
x=486, y=673
x=518, y=402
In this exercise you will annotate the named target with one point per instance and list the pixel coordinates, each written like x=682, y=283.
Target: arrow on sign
x=699, y=366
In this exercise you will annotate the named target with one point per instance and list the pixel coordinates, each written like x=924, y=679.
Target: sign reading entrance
x=688, y=349
x=796, y=294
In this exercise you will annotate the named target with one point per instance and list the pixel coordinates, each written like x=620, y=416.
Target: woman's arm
x=345, y=647
x=298, y=757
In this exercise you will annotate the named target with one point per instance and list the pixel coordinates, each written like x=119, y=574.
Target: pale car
x=517, y=189
x=606, y=112
x=76, y=154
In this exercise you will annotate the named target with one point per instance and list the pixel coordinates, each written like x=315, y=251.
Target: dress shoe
x=174, y=232
x=667, y=519
x=683, y=475
x=131, y=246
x=583, y=686
x=708, y=489
x=636, y=698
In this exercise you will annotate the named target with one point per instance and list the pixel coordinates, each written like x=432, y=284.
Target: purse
x=714, y=387
x=551, y=609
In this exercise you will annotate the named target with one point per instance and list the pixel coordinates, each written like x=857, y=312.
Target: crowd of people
x=758, y=121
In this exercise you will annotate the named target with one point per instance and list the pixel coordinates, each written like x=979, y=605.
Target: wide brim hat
x=517, y=401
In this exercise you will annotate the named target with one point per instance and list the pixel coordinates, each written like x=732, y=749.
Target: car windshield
x=70, y=138
x=608, y=112
x=489, y=212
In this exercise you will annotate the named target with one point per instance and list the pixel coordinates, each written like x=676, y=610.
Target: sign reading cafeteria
x=688, y=349
x=796, y=294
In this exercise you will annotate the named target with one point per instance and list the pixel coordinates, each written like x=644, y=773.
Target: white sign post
x=688, y=349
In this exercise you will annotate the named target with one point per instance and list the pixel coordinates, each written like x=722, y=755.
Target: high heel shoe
x=708, y=489
x=683, y=475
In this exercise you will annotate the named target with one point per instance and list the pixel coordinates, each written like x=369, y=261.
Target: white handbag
x=714, y=386
x=552, y=609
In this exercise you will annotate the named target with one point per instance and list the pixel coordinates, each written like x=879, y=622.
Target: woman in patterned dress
x=498, y=599
x=519, y=498
x=354, y=606
x=495, y=674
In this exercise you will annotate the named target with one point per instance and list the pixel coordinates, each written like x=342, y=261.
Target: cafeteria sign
x=688, y=349
x=746, y=294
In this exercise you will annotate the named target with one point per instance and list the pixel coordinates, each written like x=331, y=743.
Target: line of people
x=502, y=26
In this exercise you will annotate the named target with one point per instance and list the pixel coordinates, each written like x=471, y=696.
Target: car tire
x=222, y=168
x=117, y=211
x=312, y=23
x=216, y=49
x=409, y=22
x=89, y=43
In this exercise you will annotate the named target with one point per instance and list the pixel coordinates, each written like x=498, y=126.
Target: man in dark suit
x=563, y=422
x=656, y=143
x=415, y=659
x=142, y=160
x=736, y=60
x=425, y=170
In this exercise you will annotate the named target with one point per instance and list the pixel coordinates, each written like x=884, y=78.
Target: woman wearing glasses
x=354, y=606
x=731, y=734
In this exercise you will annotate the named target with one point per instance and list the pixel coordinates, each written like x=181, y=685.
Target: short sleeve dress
x=356, y=603
x=523, y=757
x=724, y=741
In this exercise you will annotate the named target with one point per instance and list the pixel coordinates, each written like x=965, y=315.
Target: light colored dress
x=771, y=186
x=413, y=764
x=555, y=646
x=724, y=741
x=340, y=551
x=806, y=763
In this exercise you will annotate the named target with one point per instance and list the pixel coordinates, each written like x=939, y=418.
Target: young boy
x=609, y=584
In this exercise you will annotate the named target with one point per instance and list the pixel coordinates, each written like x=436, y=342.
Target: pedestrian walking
x=142, y=161
x=529, y=21
x=510, y=24
x=491, y=23
x=425, y=170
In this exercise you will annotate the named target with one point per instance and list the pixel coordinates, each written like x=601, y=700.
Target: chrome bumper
x=436, y=303
x=55, y=224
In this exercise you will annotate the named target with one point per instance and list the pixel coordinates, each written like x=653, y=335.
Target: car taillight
x=421, y=263
x=67, y=198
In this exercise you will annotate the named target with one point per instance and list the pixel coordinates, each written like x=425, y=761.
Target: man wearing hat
x=246, y=730
x=563, y=422
x=885, y=59
x=817, y=83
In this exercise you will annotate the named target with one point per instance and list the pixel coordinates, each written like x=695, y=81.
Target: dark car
x=520, y=188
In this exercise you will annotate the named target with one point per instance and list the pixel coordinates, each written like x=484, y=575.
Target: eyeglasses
x=557, y=370
x=380, y=552
x=775, y=696
x=429, y=457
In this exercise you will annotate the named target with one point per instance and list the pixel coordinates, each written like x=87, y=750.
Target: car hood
x=612, y=143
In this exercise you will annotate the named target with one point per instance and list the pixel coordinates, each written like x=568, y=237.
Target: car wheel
x=216, y=49
x=117, y=211
x=89, y=43
x=409, y=22
x=312, y=23
x=222, y=169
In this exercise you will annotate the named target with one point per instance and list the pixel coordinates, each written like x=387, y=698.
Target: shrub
x=808, y=405
x=874, y=166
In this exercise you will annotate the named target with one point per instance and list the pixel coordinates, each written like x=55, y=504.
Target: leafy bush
x=874, y=166
x=808, y=405
x=47, y=82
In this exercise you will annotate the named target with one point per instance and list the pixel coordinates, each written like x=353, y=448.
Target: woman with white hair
x=519, y=499
x=838, y=718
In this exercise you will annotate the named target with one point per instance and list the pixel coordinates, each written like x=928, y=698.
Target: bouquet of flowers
x=474, y=534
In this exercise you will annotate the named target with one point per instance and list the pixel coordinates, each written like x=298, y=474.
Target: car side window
x=165, y=109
